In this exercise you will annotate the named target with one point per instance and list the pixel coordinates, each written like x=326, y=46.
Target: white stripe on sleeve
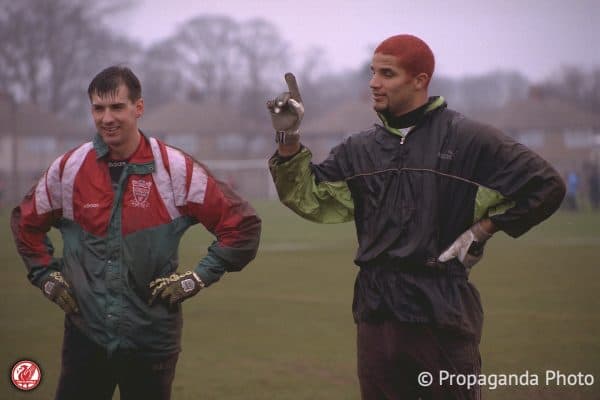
x=198, y=186
x=72, y=166
x=162, y=180
x=178, y=174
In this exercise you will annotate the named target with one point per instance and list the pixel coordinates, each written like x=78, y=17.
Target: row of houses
x=564, y=134
x=236, y=149
x=30, y=139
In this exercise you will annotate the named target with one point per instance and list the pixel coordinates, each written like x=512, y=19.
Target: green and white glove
x=286, y=112
x=175, y=288
x=57, y=290
x=468, y=248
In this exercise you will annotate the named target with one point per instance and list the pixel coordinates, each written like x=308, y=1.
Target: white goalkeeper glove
x=468, y=248
x=286, y=112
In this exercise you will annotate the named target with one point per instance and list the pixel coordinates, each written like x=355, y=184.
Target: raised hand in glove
x=57, y=290
x=287, y=111
x=175, y=288
x=468, y=248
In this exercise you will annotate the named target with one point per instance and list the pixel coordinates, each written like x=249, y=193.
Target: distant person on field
x=2, y=189
x=426, y=189
x=122, y=202
x=594, y=186
x=572, y=188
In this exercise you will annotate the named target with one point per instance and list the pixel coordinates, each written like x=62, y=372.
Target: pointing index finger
x=290, y=79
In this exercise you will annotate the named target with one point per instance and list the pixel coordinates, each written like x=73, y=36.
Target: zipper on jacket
x=404, y=132
x=403, y=138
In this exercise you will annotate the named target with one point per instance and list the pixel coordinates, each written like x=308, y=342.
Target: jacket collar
x=434, y=103
x=142, y=155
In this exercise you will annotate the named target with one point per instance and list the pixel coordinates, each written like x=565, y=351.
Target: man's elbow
x=246, y=249
x=557, y=194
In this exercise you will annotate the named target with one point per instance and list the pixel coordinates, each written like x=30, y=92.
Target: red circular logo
x=26, y=375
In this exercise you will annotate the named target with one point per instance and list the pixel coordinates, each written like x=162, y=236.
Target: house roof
x=348, y=117
x=540, y=113
x=187, y=117
x=550, y=114
x=31, y=120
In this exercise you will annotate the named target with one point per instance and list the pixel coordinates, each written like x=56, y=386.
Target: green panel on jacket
x=489, y=202
x=325, y=202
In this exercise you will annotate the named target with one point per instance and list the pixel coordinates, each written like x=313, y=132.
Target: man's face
x=115, y=116
x=392, y=88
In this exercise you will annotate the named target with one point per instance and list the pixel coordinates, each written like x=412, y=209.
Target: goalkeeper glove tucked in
x=468, y=248
x=57, y=290
x=175, y=288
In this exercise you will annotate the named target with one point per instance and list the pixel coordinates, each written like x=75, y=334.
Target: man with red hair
x=426, y=189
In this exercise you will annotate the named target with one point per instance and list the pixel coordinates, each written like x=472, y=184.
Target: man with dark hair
x=426, y=189
x=109, y=80
x=122, y=203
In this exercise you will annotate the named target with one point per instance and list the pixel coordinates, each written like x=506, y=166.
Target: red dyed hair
x=412, y=53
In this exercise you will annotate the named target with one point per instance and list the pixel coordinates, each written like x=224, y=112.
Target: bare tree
x=575, y=85
x=206, y=46
x=50, y=48
x=21, y=50
x=313, y=63
x=162, y=76
x=263, y=50
x=265, y=56
x=214, y=57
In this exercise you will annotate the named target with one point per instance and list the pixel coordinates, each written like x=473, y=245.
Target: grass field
x=282, y=328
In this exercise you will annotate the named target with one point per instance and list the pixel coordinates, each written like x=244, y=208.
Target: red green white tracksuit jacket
x=117, y=242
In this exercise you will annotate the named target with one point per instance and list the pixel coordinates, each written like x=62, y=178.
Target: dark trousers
x=88, y=373
x=392, y=354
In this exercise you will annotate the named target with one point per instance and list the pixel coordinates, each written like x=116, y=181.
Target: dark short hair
x=412, y=53
x=108, y=80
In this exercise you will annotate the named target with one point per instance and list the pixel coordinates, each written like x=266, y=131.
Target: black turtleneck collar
x=411, y=118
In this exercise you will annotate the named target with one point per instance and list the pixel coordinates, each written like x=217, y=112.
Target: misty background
x=283, y=329
x=532, y=69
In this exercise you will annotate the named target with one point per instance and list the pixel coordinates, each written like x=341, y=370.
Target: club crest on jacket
x=141, y=191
